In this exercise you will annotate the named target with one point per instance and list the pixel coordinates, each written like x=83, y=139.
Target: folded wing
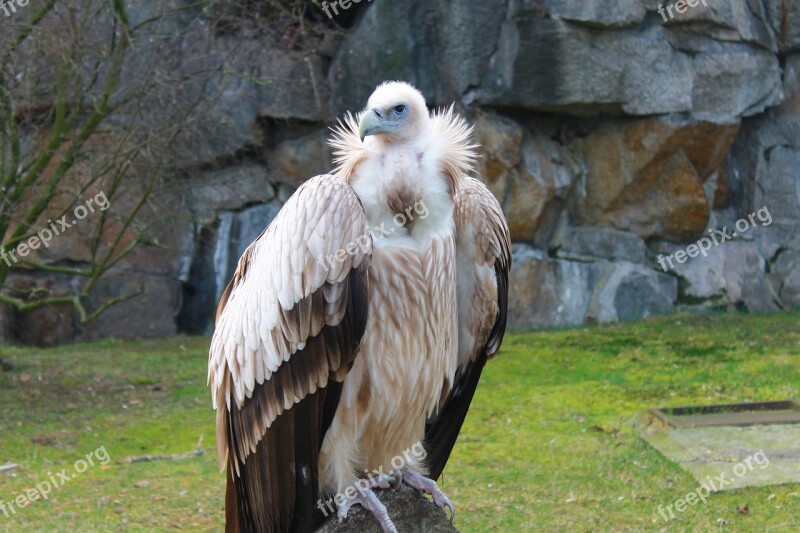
x=287, y=332
x=483, y=264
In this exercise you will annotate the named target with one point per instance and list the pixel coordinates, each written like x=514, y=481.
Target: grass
x=547, y=445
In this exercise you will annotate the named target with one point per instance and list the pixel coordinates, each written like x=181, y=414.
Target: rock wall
x=624, y=145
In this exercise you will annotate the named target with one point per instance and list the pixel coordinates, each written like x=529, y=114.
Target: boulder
x=646, y=176
x=530, y=174
x=723, y=21
x=733, y=84
x=777, y=186
x=595, y=13
x=152, y=314
x=602, y=127
x=229, y=188
x=47, y=326
x=261, y=79
x=552, y=65
x=763, y=168
x=784, y=272
x=785, y=277
x=791, y=87
x=408, y=509
x=732, y=274
x=784, y=17
x=631, y=292
x=296, y=160
x=444, y=47
x=775, y=237
x=547, y=292
x=500, y=140
x=589, y=243
x=538, y=191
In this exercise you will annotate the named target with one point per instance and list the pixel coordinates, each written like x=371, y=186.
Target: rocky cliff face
x=626, y=140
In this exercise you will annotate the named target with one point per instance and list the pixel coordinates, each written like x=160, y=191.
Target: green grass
x=547, y=445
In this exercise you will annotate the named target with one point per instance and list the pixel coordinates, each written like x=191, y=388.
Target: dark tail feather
x=276, y=490
x=442, y=431
x=263, y=492
x=231, y=505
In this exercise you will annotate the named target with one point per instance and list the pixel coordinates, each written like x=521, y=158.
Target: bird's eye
x=400, y=109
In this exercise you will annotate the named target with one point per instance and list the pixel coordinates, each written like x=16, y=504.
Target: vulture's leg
x=428, y=486
x=367, y=499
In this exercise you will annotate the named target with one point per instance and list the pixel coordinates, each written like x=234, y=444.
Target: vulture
x=356, y=326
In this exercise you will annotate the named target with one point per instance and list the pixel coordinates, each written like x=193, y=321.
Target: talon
x=428, y=486
x=382, y=481
x=397, y=477
x=369, y=501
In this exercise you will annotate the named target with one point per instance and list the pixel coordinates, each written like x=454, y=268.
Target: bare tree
x=91, y=106
x=123, y=100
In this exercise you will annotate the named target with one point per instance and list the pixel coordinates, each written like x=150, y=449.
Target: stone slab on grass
x=749, y=456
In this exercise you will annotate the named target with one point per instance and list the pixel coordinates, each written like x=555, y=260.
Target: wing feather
x=287, y=332
x=483, y=263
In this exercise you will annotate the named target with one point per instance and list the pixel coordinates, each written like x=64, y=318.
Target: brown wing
x=484, y=261
x=287, y=332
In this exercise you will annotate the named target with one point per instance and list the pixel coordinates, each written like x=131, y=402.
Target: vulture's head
x=395, y=111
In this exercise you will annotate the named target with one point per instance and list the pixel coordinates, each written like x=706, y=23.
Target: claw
x=384, y=481
x=367, y=499
x=428, y=486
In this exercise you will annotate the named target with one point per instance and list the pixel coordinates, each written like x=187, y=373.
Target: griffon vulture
x=357, y=324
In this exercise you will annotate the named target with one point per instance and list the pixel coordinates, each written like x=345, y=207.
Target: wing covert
x=300, y=275
x=483, y=264
x=287, y=332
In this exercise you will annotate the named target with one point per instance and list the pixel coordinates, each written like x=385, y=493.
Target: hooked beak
x=372, y=123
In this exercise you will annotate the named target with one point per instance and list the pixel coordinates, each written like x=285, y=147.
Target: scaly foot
x=428, y=486
x=367, y=499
